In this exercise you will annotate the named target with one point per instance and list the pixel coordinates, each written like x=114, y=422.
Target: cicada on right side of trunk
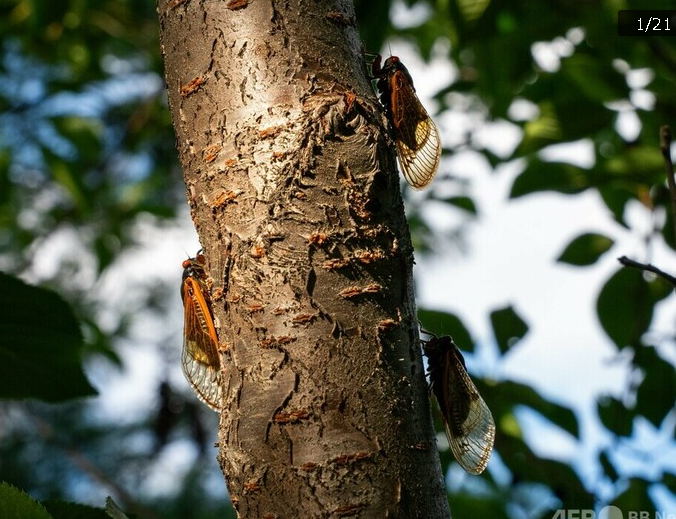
x=415, y=134
x=468, y=422
x=200, y=357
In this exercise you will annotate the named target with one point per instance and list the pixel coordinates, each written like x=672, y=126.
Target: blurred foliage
x=35, y=360
x=508, y=328
x=586, y=249
x=87, y=157
x=87, y=153
x=18, y=505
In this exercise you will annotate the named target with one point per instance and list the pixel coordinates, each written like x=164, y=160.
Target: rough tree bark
x=294, y=192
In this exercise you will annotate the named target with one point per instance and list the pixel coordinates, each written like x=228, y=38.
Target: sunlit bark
x=295, y=197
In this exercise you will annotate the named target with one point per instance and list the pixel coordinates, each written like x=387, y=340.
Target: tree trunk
x=294, y=192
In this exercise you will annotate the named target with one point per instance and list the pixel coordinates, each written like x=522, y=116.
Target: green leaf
x=472, y=10
x=643, y=164
x=608, y=466
x=509, y=394
x=469, y=506
x=559, y=477
x=626, y=303
x=6, y=185
x=508, y=328
x=635, y=497
x=549, y=176
x=461, y=202
x=579, y=116
x=586, y=249
x=70, y=180
x=657, y=393
x=668, y=227
x=669, y=481
x=615, y=416
x=41, y=347
x=15, y=504
x=541, y=131
x=84, y=133
x=565, y=114
x=598, y=80
x=443, y=323
x=616, y=198
x=64, y=510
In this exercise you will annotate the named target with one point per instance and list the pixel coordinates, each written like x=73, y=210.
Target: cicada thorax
x=467, y=420
x=394, y=80
x=416, y=135
x=447, y=381
x=200, y=357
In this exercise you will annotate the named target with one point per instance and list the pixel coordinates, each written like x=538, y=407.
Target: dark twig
x=665, y=147
x=648, y=268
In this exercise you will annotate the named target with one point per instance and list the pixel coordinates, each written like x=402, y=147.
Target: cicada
x=468, y=422
x=415, y=134
x=200, y=357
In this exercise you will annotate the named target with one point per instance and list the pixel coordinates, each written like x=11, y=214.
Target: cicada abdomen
x=415, y=134
x=200, y=357
x=468, y=422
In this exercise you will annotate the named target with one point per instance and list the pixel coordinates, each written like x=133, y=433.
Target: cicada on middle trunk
x=468, y=422
x=415, y=134
x=200, y=357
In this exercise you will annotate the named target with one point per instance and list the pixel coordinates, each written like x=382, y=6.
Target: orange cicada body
x=468, y=422
x=200, y=357
x=415, y=134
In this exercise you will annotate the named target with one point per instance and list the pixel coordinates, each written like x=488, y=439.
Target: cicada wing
x=416, y=135
x=419, y=167
x=204, y=379
x=468, y=422
x=200, y=357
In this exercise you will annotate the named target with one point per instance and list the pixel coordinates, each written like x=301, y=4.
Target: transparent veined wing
x=468, y=422
x=416, y=135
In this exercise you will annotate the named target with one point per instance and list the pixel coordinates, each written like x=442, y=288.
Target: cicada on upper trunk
x=415, y=134
x=467, y=420
x=200, y=357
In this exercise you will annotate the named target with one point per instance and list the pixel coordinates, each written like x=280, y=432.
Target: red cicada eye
x=200, y=357
x=468, y=422
x=391, y=61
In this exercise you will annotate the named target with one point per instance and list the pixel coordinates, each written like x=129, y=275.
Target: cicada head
x=394, y=64
x=193, y=268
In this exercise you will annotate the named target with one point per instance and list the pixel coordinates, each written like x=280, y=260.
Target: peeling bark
x=294, y=192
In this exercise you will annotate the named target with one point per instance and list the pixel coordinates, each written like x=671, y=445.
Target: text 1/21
x=643, y=22
x=653, y=24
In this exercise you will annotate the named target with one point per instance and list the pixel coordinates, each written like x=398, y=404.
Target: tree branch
x=648, y=268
